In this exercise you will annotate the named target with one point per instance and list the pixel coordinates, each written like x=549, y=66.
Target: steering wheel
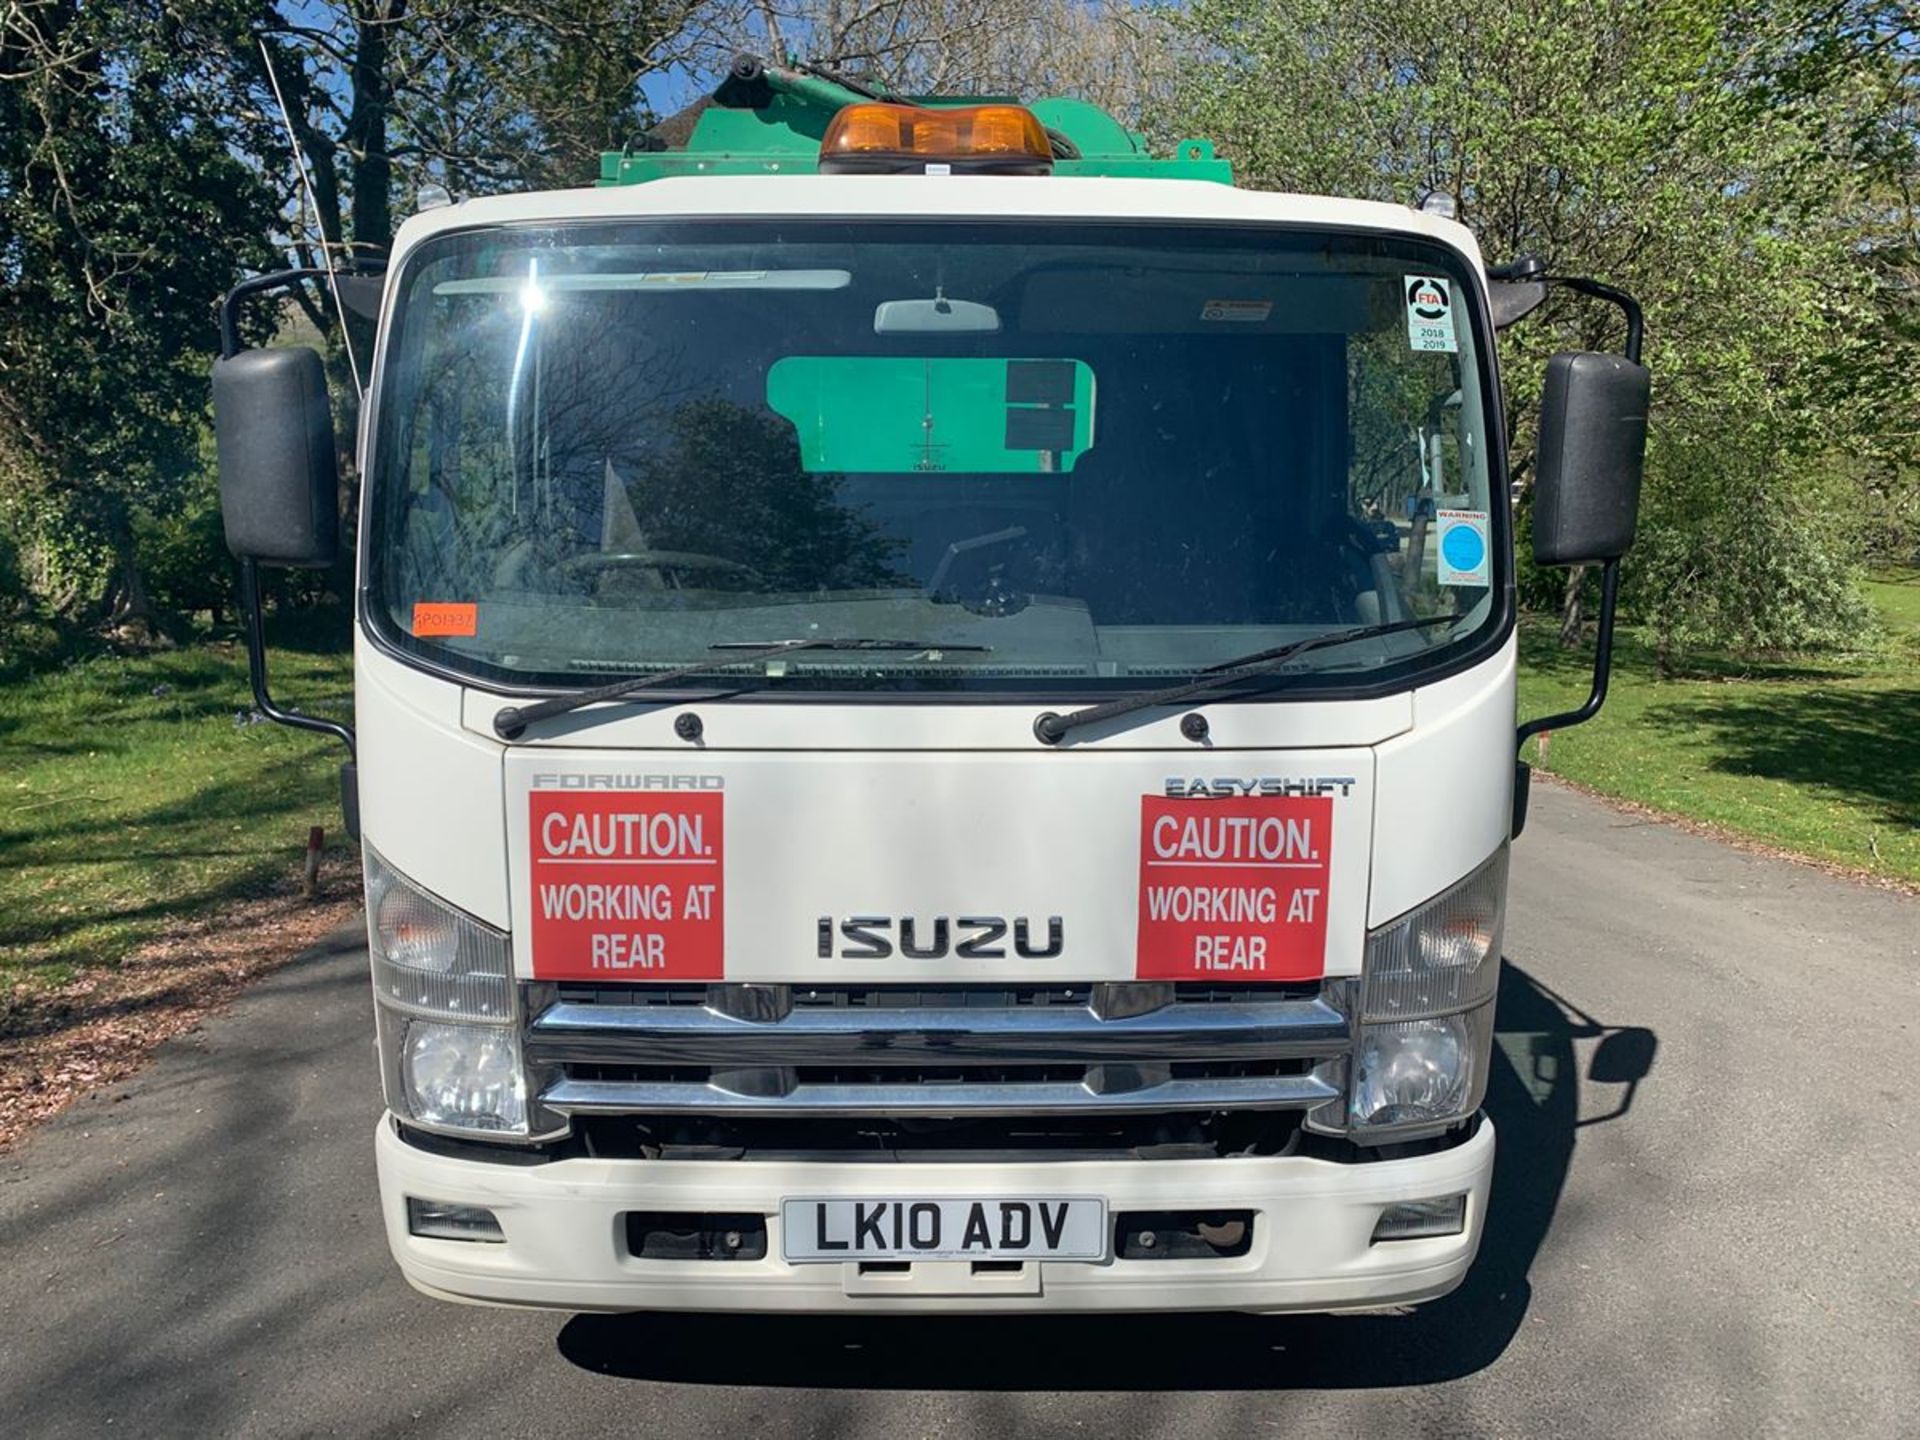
x=659, y=560
x=935, y=586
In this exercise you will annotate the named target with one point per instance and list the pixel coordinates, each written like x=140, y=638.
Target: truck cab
x=934, y=707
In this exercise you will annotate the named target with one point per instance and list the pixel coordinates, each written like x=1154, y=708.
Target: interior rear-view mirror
x=1593, y=442
x=938, y=316
x=279, y=480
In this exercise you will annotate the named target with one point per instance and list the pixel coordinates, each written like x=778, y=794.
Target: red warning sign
x=627, y=886
x=1234, y=889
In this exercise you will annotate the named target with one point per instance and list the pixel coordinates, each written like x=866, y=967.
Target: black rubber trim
x=485, y=1152
x=695, y=1235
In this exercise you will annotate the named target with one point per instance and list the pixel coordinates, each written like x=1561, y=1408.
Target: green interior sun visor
x=881, y=415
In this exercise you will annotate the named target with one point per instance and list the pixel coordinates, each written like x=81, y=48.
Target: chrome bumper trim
x=615, y=1097
x=571, y=1033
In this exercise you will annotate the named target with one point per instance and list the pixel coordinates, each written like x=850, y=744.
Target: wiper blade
x=511, y=722
x=1052, y=728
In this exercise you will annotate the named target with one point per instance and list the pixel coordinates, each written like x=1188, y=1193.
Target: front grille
x=909, y=1052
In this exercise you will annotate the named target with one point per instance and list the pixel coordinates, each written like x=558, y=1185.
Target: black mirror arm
x=256, y=634
x=246, y=289
x=230, y=345
x=1629, y=307
x=1602, y=664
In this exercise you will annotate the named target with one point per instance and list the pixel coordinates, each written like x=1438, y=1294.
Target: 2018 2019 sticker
x=627, y=886
x=1234, y=889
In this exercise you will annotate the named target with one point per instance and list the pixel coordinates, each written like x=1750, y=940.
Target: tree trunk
x=1570, y=608
x=129, y=612
x=366, y=131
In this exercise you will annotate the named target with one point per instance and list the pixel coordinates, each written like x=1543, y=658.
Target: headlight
x=464, y=1077
x=1424, y=1027
x=1443, y=956
x=430, y=959
x=1420, y=1072
x=446, y=1006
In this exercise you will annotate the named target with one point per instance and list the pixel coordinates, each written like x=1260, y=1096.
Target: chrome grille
x=905, y=1051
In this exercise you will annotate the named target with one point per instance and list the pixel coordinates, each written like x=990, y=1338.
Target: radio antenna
x=313, y=203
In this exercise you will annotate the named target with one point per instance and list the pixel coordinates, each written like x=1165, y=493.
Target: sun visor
x=1081, y=302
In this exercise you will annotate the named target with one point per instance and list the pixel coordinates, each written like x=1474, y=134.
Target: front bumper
x=566, y=1249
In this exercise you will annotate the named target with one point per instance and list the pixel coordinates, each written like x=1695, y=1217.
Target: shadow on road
x=1533, y=1096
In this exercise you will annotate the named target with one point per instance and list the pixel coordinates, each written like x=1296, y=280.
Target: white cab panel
x=1446, y=786
x=429, y=792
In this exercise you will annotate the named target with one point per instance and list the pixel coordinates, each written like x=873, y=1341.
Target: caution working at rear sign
x=627, y=886
x=1234, y=889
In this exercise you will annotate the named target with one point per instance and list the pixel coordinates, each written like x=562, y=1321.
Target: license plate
x=824, y=1231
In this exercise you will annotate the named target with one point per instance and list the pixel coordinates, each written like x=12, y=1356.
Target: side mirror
x=279, y=479
x=1593, y=446
x=1517, y=289
x=1513, y=300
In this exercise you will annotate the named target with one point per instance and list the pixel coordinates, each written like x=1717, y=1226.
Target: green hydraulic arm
x=768, y=119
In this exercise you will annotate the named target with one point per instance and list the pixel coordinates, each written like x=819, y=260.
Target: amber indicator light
x=883, y=137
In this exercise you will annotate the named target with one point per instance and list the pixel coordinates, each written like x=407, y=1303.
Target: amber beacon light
x=987, y=139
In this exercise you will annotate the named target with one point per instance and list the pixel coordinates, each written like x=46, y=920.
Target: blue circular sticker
x=1463, y=548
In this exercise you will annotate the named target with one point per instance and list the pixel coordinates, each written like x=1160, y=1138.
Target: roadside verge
x=101, y=1026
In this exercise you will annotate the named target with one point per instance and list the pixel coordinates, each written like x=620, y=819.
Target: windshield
x=1080, y=460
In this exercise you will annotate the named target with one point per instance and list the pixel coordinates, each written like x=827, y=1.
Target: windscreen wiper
x=1051, y=728
x=511, y=723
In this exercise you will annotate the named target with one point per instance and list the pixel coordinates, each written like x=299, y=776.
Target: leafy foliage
x=113, y=174
x=1725, y=161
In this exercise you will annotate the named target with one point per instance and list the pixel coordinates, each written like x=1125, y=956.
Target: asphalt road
x=1725, y=1245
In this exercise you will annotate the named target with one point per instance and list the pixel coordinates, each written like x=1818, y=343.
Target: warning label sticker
x=627, y=886
x=1463, y=555
x=1234, y=889
x=1430, y=313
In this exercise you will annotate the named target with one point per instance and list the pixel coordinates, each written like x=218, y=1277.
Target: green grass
x=131, y=801
x=1897, y=595
x=1820, y=756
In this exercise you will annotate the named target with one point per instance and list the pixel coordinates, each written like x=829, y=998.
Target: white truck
x=934, y=712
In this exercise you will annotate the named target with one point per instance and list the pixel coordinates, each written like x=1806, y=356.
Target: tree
x=1115, y=53
x=386, y=96
x=113, y=174
x=1705, y=155
x=145, y=165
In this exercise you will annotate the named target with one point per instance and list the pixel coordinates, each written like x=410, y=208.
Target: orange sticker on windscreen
x=445, y=618
x=1234, y=889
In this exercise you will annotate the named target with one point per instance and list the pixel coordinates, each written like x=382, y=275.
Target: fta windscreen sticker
x=1430, y=313
x=1234, y=889
x=1463, y=552
x=627, y=886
